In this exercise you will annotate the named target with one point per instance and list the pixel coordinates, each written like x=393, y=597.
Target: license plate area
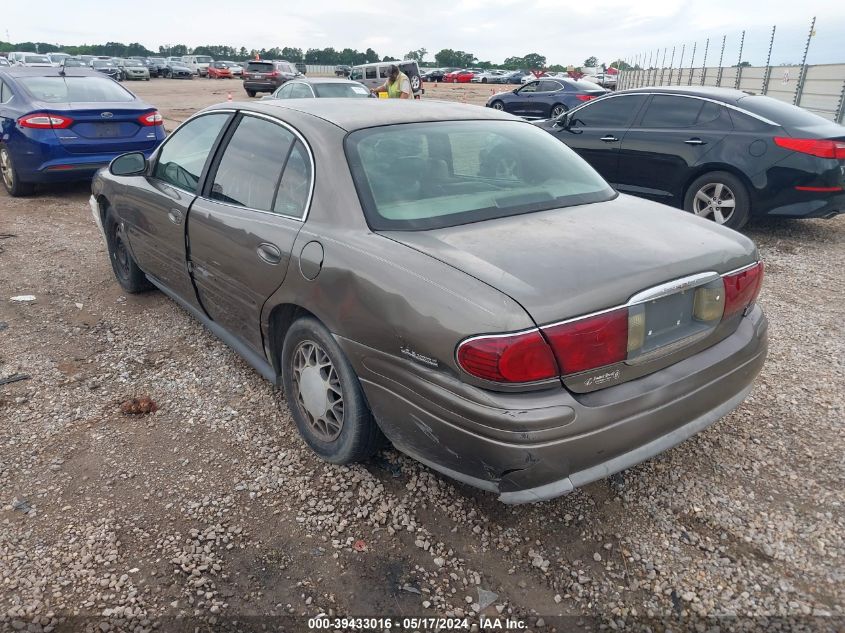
x=674, y=319
x=107, y=130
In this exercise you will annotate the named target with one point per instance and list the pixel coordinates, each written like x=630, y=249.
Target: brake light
x=823, y=148
x=742, y=288
x=819, y=189
x=275, y=73
x=584, y=97
x=151, y=118
x=591, y=342
x=45, y=121
x=521, y=357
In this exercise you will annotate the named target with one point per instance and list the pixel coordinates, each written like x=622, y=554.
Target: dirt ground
x=211, y=513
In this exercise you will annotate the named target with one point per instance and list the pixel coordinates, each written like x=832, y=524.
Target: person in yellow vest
x=397, y=86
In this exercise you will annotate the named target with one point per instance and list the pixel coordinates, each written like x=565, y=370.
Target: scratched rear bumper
x=539, y=445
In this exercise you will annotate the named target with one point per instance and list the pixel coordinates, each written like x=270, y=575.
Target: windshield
x=79, y=89
x=204, y=59
x=157, y=60
x=433, y=175
x=36, y=59
x=350, y=90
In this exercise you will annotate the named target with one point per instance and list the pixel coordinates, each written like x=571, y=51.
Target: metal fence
x=819, y=88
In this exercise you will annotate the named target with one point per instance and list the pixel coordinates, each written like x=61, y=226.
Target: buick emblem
x=106, y=115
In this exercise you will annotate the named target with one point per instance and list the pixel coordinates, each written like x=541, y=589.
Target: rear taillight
x=742, y=288
x=602, y=339
x=521, y=357
x=823, y=148
x=151, y=118
x=275, y=73
x=45, y=121
x=590, y=342
x=584, y=97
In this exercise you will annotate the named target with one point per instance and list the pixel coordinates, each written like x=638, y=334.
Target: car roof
x=325, y=80
x=48, y=71
x=356, y=114
x=728, y=95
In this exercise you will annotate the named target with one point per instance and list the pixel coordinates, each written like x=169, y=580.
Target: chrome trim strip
x=634, y=91
x=742, y=268
x=671, y=287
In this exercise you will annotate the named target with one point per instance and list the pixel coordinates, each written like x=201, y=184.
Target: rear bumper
x=824, y=206
x=54, y=164
x=260, y=86
x=539, y=445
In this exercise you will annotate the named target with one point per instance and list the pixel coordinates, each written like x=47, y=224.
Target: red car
x=459, y=76
x=219, y=70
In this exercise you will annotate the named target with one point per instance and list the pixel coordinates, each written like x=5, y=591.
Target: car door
x=544, y=98
x=661, y=149
x=521, y=103
x=596, y=129
x=242, y=229
x=155, y=206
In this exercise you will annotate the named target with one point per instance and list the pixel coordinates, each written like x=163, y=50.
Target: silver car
x=446, y=276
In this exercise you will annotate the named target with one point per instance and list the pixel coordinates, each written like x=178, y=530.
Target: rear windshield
x=260, y=67
x=36, y=59
x=581, y=84
x=341, y=90
x=77, y=89
x=780, y=112
x=432, y=175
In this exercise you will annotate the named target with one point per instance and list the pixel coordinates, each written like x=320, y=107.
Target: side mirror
x=131, y=164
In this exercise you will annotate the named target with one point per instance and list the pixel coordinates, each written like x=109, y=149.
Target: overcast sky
x=565, y=32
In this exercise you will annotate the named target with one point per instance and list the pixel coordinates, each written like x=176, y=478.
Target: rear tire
x=325, y=396
x=557, y=110
x=9, y=175
x=721, y=197
x=250, y=93
x=126, y=271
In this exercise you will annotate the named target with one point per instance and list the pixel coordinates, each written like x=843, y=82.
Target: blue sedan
x=545, y=98
x=60, y=125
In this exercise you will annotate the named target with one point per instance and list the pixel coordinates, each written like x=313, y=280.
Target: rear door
x=241, y=231
x=156, y=205
x=672, y=136
x=595, y=131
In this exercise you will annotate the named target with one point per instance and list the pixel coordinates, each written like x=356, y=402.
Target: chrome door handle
x=609, y=138
x=175, y=216
x=270, y=253
x=695, y=141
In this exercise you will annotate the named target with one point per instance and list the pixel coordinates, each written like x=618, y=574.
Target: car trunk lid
x=104, y=128
x=567, y=263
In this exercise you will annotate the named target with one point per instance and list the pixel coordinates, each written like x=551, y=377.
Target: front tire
x=126, y=271
x=9, y=175
x=325, y=396
x=497, y=105
x=719, y=196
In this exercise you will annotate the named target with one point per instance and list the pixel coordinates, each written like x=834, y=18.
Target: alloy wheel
x=318, y=390
x=6, y=168
x=498, y=106
x=714, y=201
x=557, y=111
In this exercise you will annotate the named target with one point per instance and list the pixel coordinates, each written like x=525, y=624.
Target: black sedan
x=720, y=153
x=107, y=67
x=546, y=97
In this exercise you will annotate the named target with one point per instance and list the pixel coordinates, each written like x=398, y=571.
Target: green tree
x=417, y=55
x=449, y=57
x=591, y=62
x=370, y=56
x=292, y=54
x=528, y=62
x=389, y=58
x=620, y=65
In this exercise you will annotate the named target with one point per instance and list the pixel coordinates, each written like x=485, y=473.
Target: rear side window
x=251, y=165
x=78, y=89
x=383, y=72
x=300, y=91
x=666, y=111
x=259, y=67
x=549, y=86
x=371, y=73
x=295, y=185
x=5, y=92
x=183, y=156
x=608, y=112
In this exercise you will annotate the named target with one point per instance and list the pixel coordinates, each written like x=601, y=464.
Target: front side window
x=252, y=163
x=611, y=112
x=533, y=86
x=79, y=89
x=356, y=74
x=431, y=175
x=184, y=155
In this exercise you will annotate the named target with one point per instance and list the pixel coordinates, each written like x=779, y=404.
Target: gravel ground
x=211, y=512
